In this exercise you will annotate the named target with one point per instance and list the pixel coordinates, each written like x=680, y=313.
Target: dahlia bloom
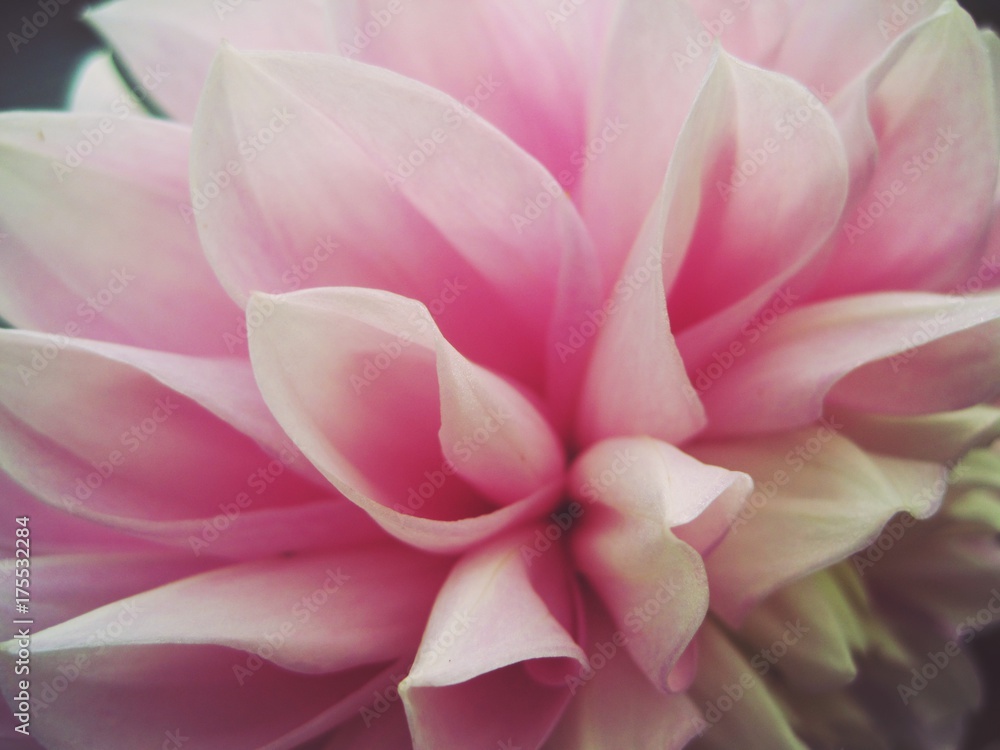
x=522, y=374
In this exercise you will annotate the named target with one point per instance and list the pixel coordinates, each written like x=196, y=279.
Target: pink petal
x=280, y=651
x=616, y=707
x=67, y=586
x=751, y=30
x=160, y=445
x=97, y=245
x=867, y=353
x=636, y=114
x=857, y=32
x=653, y=583
x=636, y=382
x=375, y=729
x=57, y=531
x=491, y=276
x=758, y=215
x=498, y=651
x=398, y=420
x=932, y=108
x=168, y=45
x=819, y=499
x=505, y=61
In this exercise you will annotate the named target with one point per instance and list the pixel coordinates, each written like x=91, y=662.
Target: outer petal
x=67, y=586
x=644, y=95
x=854, y=32
x=931, y=105
x=280, y=650
x=411, y=194
x=163, y=446
x=169, y=44
x=866, y=353
x=498, y=651
x=507, y=61
x=819, y=500
x=98, y=246
x=635, y=382
x=771, y=178
x=751, y=30
x=616, y=706
x=653, y=583
x=367, y=407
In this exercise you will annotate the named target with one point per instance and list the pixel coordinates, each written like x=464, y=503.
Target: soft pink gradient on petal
x=97, y=246
x=505, y=61
x=407, y=442
x=499, y=646
x=901, y=353
x=772, y=173
x=931, y=107
x=326, y=642
x=636, y=381
x=409, y=230
x=640, y=489
x=637, y=111
x=168, y=45
x=616, y=706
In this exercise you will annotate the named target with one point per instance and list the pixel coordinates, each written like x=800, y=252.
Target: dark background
x=37, y=77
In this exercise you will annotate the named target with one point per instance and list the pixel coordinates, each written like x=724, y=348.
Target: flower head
x=521, y=374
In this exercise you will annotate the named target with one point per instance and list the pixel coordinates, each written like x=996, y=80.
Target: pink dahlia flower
x=503, y=375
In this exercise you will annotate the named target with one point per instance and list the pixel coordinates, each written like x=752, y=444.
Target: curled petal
x=426, y=442
x=498, y=650
x=819, y=499
x=652, y=582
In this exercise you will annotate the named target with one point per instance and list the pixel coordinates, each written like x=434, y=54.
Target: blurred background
x=37, y=76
